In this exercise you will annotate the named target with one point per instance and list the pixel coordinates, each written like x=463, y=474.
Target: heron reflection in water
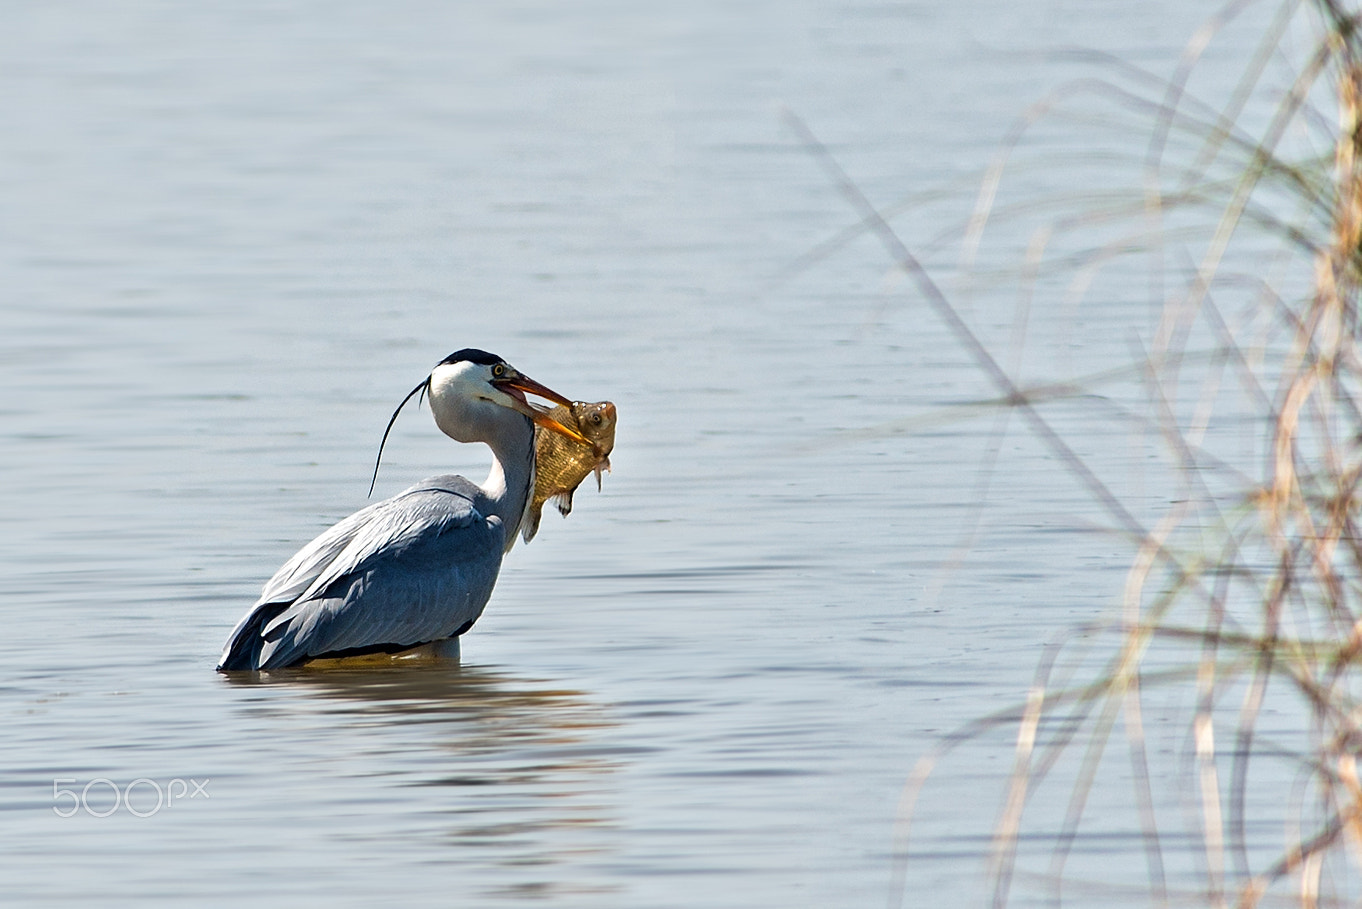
x=419, y=567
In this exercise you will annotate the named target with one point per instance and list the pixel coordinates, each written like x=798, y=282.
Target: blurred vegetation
x=1241, y=616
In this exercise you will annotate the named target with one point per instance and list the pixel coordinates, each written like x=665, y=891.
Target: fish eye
x=596, y=419
x=498, y=370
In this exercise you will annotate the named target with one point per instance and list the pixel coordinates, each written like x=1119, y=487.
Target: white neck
x=511, y=479
x=465, y=410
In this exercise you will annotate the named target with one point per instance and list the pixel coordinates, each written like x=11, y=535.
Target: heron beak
x=542, y=418
x=525, y=385
x=529, y=386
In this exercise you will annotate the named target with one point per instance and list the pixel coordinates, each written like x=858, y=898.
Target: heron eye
x=499, y=370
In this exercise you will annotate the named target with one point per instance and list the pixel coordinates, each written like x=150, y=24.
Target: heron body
x=420, y=566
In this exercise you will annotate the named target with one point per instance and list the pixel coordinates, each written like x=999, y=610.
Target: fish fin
x=564, y=502
x=531, y=525
x=603, y=465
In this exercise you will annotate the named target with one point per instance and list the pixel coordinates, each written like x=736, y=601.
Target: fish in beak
x=515, y=386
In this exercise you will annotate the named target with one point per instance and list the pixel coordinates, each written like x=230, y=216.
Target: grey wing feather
x=306, y=565
x=414, y=568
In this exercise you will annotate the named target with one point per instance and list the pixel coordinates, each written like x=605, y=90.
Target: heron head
x=470, y=391
x=463, y=382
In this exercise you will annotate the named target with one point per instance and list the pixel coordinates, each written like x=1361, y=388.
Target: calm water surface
x=231, y=240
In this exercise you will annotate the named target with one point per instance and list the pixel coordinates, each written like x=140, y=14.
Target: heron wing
x=307, y=564
x=414, y=568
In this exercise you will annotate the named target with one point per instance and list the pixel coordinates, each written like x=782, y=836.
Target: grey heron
x=418, y=567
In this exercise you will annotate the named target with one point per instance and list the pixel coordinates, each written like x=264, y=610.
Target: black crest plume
x=419, y=389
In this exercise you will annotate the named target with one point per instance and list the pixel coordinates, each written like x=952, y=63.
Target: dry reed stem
x=1009, y=824
x=1280, y=597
